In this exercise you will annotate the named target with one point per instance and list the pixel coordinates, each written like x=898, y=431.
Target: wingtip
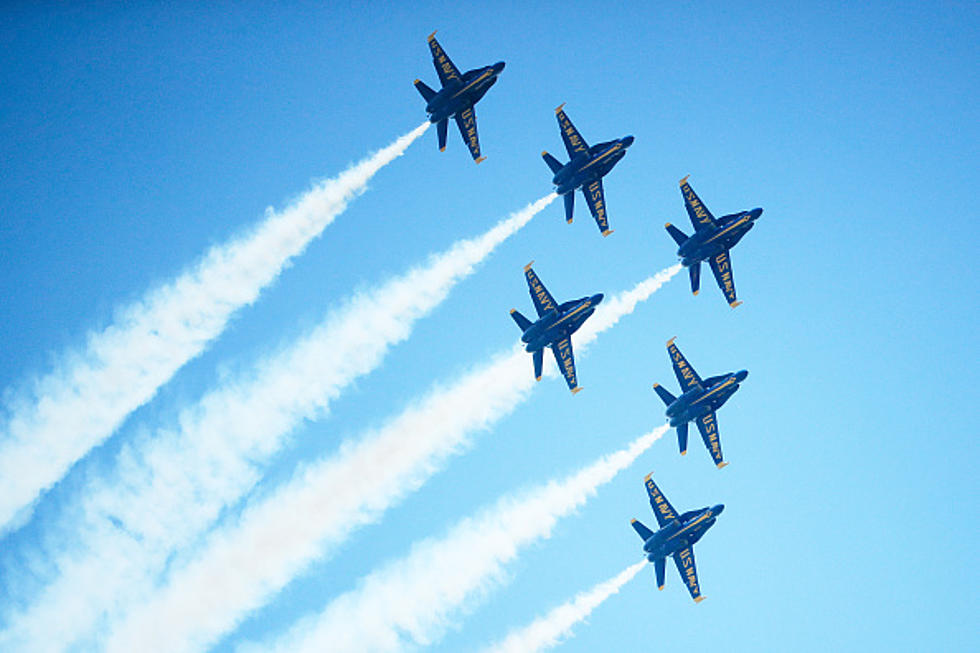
x=633, y=521
x=537, y=378
x=442, y=149
x=431, y=36
x=684, y=453
x=577, y=389
x=699, y=599
x=647, y=477
x=417, y=80
x=558, y=110
x=684, y=180
x=513, y=310
x=568, y=220
x=722, y=464
x=735, y=304
x=671, y=341
x=695, y=292
x=481, y=159
x=668, y=224
x=528, y=266
x=608, y=232
x=660, y=587
x=656, y=385
x=544, y=152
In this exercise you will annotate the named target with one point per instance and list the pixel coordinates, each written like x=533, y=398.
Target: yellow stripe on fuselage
x=726, y=230
x=600, y=158
x=689, y=526
x=708, y=394
x=475, y=81
x=580, y=308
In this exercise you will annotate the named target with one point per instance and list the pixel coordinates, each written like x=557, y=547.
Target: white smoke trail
x=412, y=600
x=556, y=626
x=210, y=595
x=169, y=488
x=89, y=394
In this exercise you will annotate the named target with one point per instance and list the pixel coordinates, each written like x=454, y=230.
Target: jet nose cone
x=741, y=376
x=596, y=299
x=717, y=510
x=755, y=213
x=499, y=67
x=627, y=141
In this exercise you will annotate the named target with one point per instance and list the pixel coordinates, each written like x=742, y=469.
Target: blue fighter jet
x=699, y=401
x=676, y=537
x=711, y=241
x=555, y=325
x=457, y=96
x=585, y=170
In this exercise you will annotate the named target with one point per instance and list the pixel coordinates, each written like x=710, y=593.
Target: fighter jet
x=585, y=170
x=699, y=401
x=457, y=96
x=555, y=325
x=711, y=241
x=676, y=537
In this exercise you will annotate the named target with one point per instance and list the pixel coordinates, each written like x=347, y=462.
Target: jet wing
x=596, y=200
x=700, y=216
x=686, y=375
x=445, y=68
x=574, y=143
x=543, y=301
x=689, y=572
x=708, y=425
x=466, y=121
x=566, y=362
x=721, y=266
x=662, y=509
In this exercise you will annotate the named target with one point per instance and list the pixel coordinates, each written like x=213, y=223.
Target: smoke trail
x=556, y=626
x=169, y=488
x=210, y=595
x=412, y=600
x=89, y=394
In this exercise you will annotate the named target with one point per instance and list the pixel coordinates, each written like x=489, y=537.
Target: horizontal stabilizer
x=522, y=321
x=679, y=237
x=552, y=162
x=641, y=530
x=664, y=394
x=426, y=92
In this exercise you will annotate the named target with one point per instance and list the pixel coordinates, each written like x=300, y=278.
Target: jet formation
x=712, y=240
x=585, y=169
x=698, y=403
x=457, y=97
x=676, y=537
x=554, y=327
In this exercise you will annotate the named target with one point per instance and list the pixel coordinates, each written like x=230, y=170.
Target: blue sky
x=135, y=139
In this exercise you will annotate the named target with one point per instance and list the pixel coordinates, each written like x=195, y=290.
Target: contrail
x=168, y=488
x=556, y=626
x=209, y=595
x=411, y=601
x=72, y=409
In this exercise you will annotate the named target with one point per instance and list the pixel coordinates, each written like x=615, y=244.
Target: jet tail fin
x=682, y=437
x=522, y=321
x=552, y=162
x=660, y=564
x=676, y=234
x=569, y=206
x=426, y=92
x=664, y=394
x=641, y=530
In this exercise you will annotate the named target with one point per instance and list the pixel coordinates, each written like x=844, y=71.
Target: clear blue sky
x=133, y=139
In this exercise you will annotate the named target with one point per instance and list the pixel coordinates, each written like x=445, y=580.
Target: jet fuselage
x=681, y=533
x=703, y=245
x=559, y=323
x=589, y=166
x=460, y=95
x=697, y=402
